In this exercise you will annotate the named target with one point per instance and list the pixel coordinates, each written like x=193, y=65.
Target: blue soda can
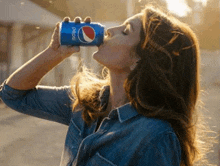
x=81, y=34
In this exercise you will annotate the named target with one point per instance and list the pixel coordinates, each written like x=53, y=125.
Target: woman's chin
x=100, y=58
x=95, y=55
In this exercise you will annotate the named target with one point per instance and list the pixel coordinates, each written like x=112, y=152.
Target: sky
x=179, y=7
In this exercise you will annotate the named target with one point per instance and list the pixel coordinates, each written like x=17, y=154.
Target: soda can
x=81, y=34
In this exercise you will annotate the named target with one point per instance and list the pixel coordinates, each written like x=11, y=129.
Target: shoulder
x=152, y=127
x=163, y=150
x=159, y=142
x=156, y=140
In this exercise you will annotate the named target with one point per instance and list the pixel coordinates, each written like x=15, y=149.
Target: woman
x=140, y=113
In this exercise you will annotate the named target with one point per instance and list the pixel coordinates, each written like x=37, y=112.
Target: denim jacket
x=124, y=138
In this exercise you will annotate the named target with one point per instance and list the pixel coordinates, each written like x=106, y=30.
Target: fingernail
x=66, y=19
x=78, y=19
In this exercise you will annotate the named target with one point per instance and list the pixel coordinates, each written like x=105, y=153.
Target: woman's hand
x=55, y=40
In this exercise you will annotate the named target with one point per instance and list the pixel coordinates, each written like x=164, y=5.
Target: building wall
x=26, y=12
x=4, y=60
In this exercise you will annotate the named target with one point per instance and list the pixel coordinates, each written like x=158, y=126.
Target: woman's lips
x=104, y=41
x=101, y=45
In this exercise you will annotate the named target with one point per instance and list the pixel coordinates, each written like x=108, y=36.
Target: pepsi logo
x=86, y=34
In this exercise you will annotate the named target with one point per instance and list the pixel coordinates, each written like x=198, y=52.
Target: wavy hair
x=163, y=85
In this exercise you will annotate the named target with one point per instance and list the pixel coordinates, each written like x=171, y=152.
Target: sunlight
x=180, y=8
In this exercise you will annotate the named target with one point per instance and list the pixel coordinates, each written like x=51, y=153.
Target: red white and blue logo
x=86, y=34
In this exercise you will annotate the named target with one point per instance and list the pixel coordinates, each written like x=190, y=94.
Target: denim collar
x=124, y=112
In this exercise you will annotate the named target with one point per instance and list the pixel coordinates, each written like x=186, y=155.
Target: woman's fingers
x=88, y=19
x=66, y=19
x=77, y=19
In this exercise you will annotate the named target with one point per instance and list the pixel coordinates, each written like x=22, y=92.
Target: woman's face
x=117, y=52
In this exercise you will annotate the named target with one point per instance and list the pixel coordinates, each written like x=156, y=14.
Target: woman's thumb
x=75, y=49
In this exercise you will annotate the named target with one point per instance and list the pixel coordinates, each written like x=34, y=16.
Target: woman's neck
x=117, y=96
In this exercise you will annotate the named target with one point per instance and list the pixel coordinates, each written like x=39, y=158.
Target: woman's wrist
x=52, y=51
x=56, y=54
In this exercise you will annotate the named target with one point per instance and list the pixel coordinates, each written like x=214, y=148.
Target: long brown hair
x=164, y=84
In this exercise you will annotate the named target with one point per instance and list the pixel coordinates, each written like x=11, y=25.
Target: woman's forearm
x=29, y=74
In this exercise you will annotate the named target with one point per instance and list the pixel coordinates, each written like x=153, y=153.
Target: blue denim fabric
x=124, y=138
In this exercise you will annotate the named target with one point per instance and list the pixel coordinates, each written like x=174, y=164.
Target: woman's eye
x=124, y=32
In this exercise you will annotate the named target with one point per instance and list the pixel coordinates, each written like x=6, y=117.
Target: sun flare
x=180, y=7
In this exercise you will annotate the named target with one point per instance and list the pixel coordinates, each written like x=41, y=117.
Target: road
x=29, y=141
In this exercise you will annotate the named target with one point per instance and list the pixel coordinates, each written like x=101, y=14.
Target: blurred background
x=26, y=27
